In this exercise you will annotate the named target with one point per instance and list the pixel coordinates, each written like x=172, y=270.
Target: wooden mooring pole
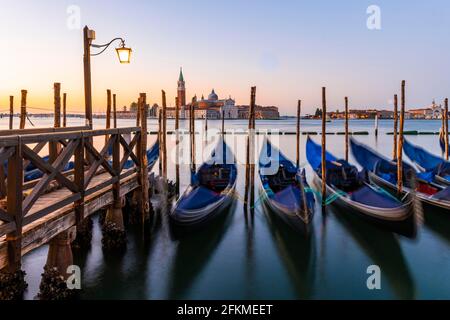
x=114, y=111
x=252, y=146
x=11, y=112
x=23, y=109
x=400, y=142
x=192, y=130
x=145, y=204
x=160, y=162
x=223, y=122
x=299, y=111
x=55, y=147
x=324, y=145
x=346, y=129
x=394, y=152
x=64, y=109
x=177, y=160
x=164, y=136
x=446, y=128
x=108, y=111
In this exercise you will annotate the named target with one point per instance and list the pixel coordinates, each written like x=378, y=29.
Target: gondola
x=428, y=164
x=284, y=188
x=210, y=192
x=353, y=192
x=383, y=172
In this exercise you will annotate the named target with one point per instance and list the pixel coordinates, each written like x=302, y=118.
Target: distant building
x=213, y=107
x=260, y=112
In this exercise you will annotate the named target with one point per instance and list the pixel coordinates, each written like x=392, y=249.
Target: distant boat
x=383, y=172
x=283, y=189
x=353, y=192
x=428, y=163
x=211, y=190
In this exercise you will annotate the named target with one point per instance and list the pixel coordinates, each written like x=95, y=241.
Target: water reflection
x=383, y=248
x=438, y=222
x=297, y=252
x=193, y=251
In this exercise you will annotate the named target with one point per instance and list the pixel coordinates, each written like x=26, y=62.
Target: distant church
x=211, y=108
x=214, y=108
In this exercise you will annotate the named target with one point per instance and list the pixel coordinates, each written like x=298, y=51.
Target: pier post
x=177, y=164
x=23, y=109
x=114, y=111
x=64, y=109
x=324, y=145
x=223, y=122
x=108, y=113
x=12, y=278
x=84, y=224
x=53, y=283
x=252, y=147
x=114, y=236
x=138, y=116
x=394, y=153
x=55, y=147
x=446, y=128
x=376, y=124
x=192, y=128
x=400, y=142
x=346, y=129
x=143, y=175
x=164, y=137
x=160, y=162
x=87, y=39
x=299, y=110
x=11, y=112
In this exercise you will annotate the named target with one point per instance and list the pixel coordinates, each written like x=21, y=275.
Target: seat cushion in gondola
x=198, y=198
x=290, y=198
x=370, y=197
x=342, y=175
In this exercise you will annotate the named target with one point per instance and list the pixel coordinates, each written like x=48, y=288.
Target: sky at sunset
x=287, y=49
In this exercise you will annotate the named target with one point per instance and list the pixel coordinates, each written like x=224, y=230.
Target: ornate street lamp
x=123, y=53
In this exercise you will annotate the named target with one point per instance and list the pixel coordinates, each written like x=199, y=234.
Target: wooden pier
x=36, y=212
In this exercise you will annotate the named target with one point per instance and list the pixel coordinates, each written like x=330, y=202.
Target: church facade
x=214, y=108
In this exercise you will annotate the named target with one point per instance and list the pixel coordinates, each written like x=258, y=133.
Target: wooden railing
x=88, y=161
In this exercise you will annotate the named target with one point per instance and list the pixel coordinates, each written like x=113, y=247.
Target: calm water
x=258, y=257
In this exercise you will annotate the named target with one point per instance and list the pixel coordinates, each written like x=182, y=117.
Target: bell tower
x=181, y=90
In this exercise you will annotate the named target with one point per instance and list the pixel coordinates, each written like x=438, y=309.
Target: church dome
x=213, y=96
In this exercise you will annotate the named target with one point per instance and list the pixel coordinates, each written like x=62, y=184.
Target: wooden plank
x=62, y=160
x=128, y=151
x=51, y=208
x=45, y=167
x=40, y=130
x=5, y=154
x=4, y=216
x=100, y=186
x=100, y=160
x=14, y=205
x=8, y=141
x=7, y=228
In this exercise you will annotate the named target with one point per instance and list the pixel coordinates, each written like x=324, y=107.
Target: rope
x=26, y=115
